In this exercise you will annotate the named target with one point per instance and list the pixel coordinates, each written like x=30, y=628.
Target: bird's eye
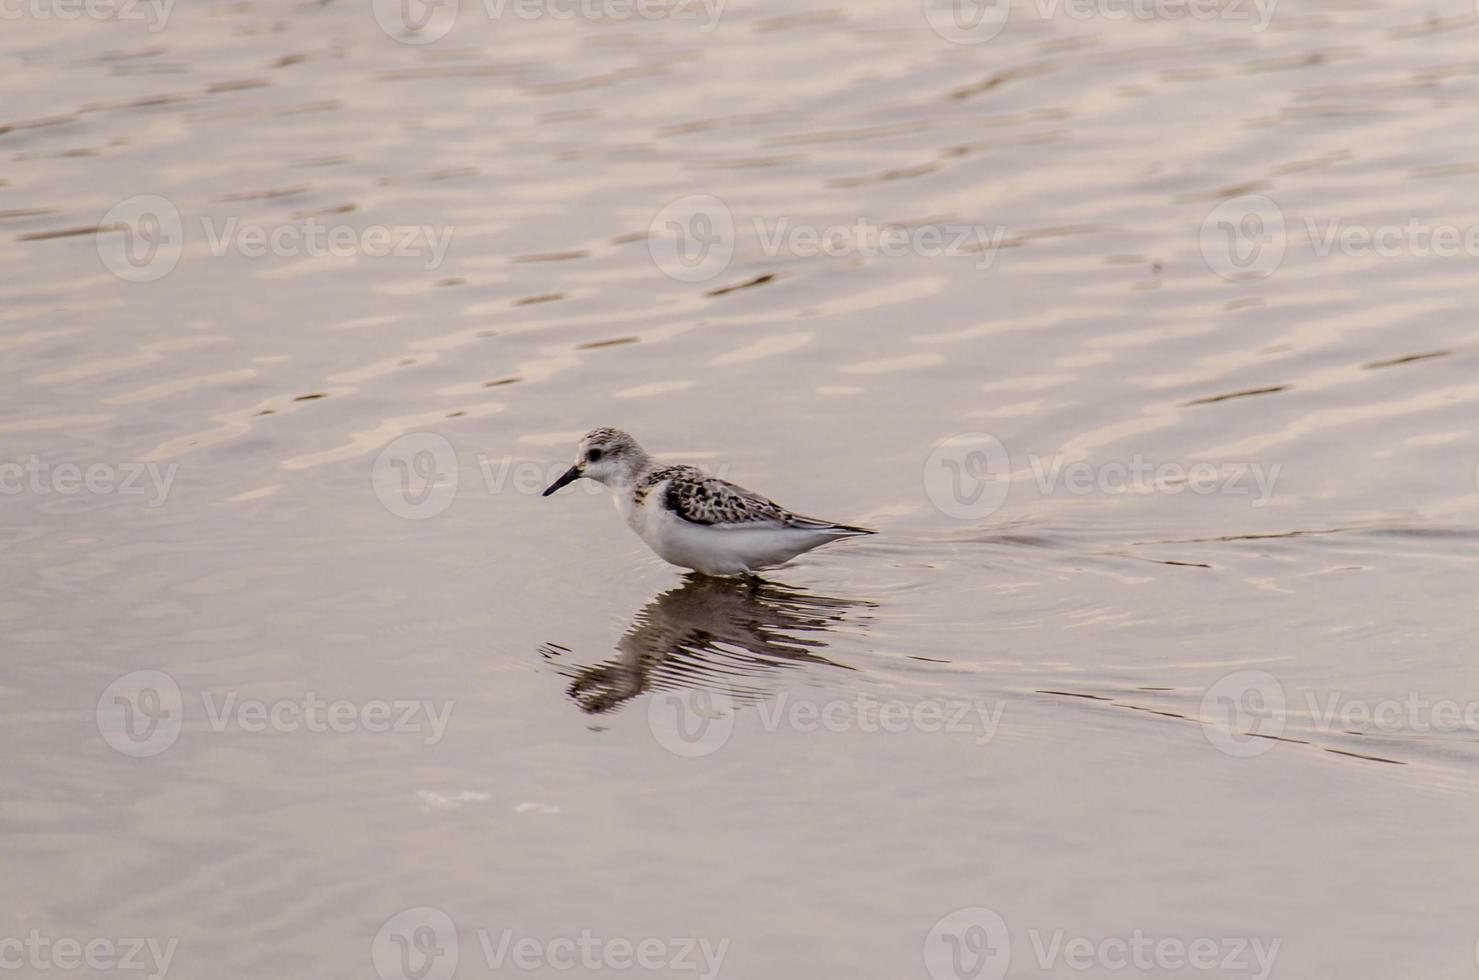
x=593, y=456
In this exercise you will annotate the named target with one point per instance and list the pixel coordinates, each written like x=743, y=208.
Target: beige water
x=994, y=297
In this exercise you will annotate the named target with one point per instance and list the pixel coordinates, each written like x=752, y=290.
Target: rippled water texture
x=1126, y=692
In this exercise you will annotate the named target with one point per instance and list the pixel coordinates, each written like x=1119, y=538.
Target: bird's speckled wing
x=694, y=496
x=698, y=498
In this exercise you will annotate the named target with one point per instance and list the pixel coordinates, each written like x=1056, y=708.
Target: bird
x=694, y=520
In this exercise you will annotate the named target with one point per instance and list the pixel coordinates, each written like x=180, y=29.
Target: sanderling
x=692, y=519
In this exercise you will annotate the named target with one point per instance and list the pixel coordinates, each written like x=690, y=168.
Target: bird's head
x=608, y=456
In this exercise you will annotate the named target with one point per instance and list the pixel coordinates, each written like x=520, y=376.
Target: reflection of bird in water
x=711, y=633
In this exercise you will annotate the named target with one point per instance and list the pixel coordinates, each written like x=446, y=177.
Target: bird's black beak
x=571, y=475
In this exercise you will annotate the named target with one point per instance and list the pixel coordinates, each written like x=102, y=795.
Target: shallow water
x=1062, y=684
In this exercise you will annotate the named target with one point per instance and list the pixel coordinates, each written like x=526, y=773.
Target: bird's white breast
x=713, y=550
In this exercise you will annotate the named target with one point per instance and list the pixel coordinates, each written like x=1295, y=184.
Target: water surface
x=1077, y=634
